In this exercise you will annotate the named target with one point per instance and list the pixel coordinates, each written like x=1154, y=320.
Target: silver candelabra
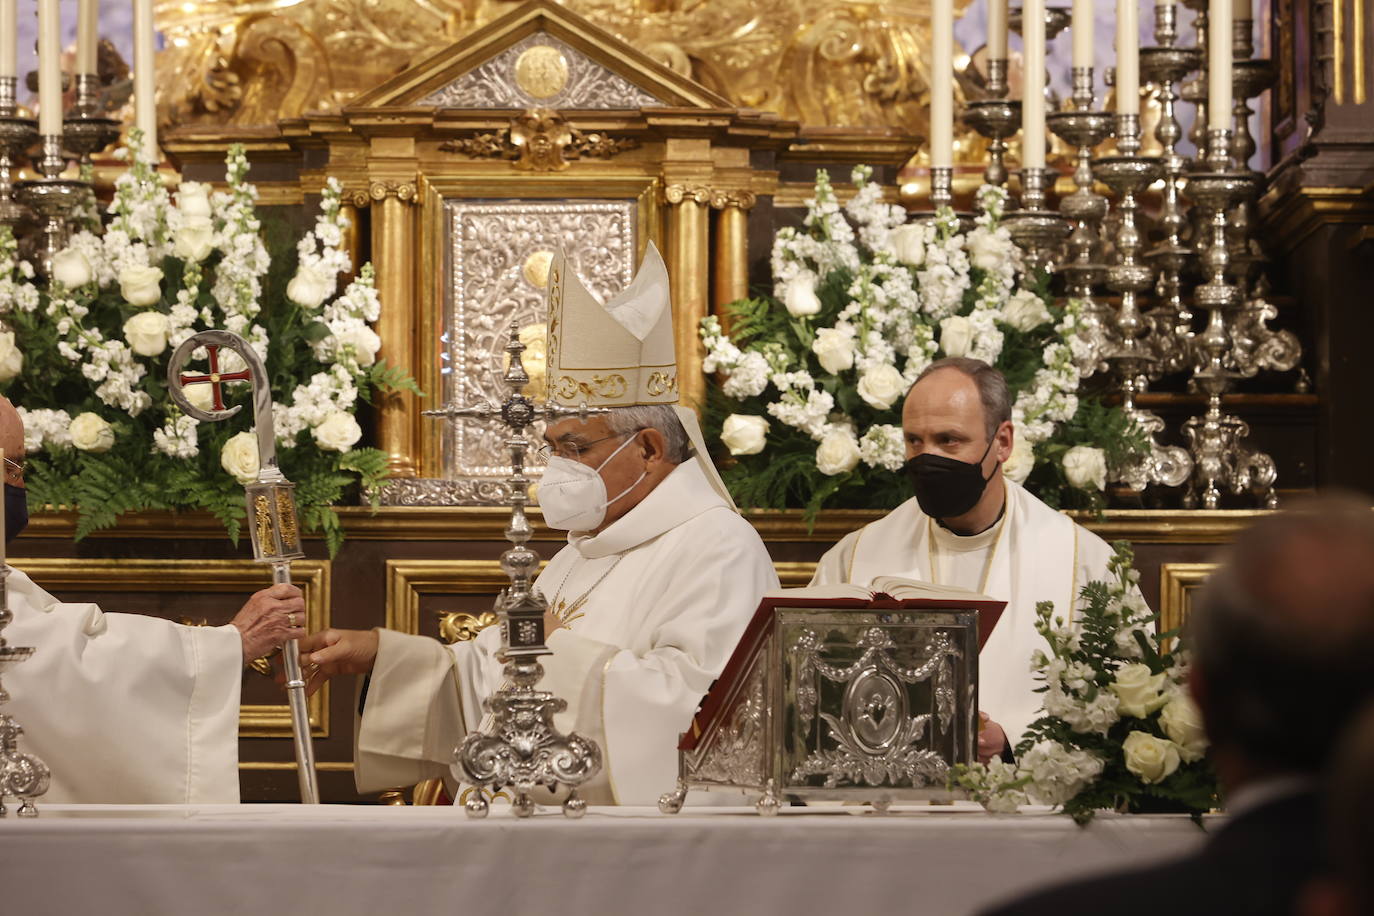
x=523, y=749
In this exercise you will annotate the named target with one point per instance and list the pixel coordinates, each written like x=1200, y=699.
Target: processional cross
x=523, y=750
x=272, y=524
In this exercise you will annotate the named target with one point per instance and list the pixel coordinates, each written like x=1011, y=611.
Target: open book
x=883, y=593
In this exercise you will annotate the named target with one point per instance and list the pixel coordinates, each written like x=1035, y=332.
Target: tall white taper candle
x=942, y=85
x=1219, y=64
x=9, y=37
x=87, y=28
x=997, y=29
x=1082, y=28
x=1127, y=57
x=1033, y=85
x=49, y=67
x=145, y=78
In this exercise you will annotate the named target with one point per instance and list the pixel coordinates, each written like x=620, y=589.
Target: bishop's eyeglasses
x=574, y=450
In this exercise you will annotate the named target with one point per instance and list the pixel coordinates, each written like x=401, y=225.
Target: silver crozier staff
x=272, y=520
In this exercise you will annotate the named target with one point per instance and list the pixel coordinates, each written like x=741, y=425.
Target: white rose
x=835, y=350
x=956, y=335
x=71, y=269
x=339, y=432
x=365, y=343
x=200, y=396
x=1182, y=722
x=240, y=457
x=193, y=200
x=195, y=239
x=140, y=285
x=1152, y=759
x=908, y=243
x=1025, y=311
x=91, y=433
x=744, y=434
x=882, y=386
x=308, y=288
x=11, y=359
x=1140, y=692
x=146, y=333
x=838, y=452
x=987, y=251
x=1086, y=467
x=799, y=296
x=1021, y=461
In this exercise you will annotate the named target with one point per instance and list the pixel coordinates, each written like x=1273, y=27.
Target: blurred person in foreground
x=1346, y=888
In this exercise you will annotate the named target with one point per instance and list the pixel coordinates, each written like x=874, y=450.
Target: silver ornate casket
x=823, y=701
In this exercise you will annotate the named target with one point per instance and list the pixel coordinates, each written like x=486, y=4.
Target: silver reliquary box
x=843, y=694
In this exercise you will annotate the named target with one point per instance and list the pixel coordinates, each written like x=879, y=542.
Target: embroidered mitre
x=614, y=355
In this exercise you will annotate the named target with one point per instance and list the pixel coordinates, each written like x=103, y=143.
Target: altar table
x=396, y=861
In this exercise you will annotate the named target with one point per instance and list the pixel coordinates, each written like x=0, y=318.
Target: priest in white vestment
x=658, y=581
x=970, y=526
x=125, y=708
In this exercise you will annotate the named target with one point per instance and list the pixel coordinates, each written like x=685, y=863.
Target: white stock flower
x=177, y=438
x=834, y=347
x=882, y=386
x=956, y=335
x=90, y=433
x=1021, y=461
x=744, y=434
x=748, y=378
x=71, y=268
x=882, y=446
x=908, y=243
x=989, y=251
x=309, y=287
x=11, y=358
x=193, y=200
x=799, y=296
x=146, y=333
x=1057, y=772
x=1025, y=311
x=1152, y=759
x=339, y=432
x=1182, y=722
x=1086, y=467
x=195, y=239
x=1140, y=692
x=240, y=457
x=838, y=452
x=363, y=343
x=140, y=285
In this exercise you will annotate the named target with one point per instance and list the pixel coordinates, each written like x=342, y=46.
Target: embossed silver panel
x=581, y=83
x=494, y=249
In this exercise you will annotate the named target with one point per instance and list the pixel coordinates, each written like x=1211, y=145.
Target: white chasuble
x=653, y=607
x=125, y=709
x=1032, y=554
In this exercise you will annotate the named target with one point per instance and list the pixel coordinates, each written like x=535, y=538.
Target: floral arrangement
x=84, y=356
x=1119, y=730
x=811, y=381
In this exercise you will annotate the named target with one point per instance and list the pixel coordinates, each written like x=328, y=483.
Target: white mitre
x=620, y=353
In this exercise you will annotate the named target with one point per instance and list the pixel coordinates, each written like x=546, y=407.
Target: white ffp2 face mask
x=573, y=495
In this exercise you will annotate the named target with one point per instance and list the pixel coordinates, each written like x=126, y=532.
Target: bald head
x=1284, y=634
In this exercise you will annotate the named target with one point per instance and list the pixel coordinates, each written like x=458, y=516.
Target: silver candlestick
x=997, y=77
x=86, y=129
x=51, y=198
x=16, y=136
x=1083, y=128
x=523, y=750
x=1038, y=231
x=996, y=119
x=941, y=196
x=22, y=776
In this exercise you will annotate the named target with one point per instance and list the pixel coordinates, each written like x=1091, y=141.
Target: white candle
x=49, y=67
x=1033, y=85
x=997, y=29
x=942, y=85
x=9, y=37
x=87, y=18
x=1082, y=33
x=1127, y=57
x=1219, y=64
x=145, y=78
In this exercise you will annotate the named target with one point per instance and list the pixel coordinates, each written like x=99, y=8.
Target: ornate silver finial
x=523, y=750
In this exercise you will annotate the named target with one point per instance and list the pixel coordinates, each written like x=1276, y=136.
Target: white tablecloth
x=284, y=860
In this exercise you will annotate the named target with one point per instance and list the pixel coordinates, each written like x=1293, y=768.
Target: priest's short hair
x=662, y=417
x=992, y=387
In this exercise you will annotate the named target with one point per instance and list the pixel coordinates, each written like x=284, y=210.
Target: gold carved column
x=731, y=280
x=393, y=251
x=689, y=270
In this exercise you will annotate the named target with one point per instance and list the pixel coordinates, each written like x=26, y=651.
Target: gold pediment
x=539, y=55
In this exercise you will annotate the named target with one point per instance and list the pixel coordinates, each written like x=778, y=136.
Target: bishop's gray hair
x=992, y=387
x=625, y=420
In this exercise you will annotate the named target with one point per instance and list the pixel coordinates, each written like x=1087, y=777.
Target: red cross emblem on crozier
x=216, y=378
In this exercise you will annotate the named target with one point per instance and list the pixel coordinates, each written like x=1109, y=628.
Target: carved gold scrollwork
x=457, y=626
x=540, y=140
x=717, y=198
x=660, y=383
x=404, y=191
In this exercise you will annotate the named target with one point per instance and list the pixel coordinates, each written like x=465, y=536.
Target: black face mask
x=16, y=511
x=946, y=487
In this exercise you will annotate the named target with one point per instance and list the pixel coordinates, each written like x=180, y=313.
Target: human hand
x=551, y=622
x=991, y=739
x=331, y=652
x=269, y=618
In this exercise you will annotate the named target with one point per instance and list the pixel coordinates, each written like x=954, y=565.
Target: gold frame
x=311, y=576
x=1177, y=582
x=407, y=581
